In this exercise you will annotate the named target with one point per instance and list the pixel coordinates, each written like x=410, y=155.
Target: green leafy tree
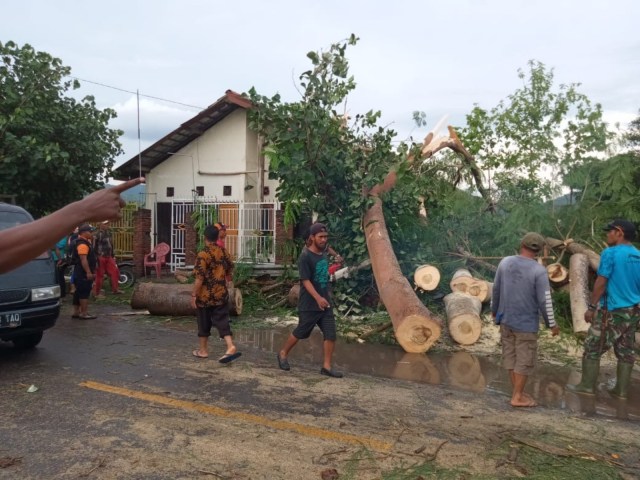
x=53, y=148
x=535, y=136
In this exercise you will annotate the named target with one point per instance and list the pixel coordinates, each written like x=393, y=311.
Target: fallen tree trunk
x=571, y=247
x=463, y=317
x=175, y=300
x=579, y=290
x=415, y=327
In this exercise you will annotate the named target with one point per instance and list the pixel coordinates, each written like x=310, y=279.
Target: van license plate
x=10, y=320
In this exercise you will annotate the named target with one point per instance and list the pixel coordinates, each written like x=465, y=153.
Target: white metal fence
x=251, y=228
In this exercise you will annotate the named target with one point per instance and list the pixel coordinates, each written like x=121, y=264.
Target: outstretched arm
x=25, y=242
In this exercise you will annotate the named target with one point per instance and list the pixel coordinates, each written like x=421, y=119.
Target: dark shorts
x=83, y=289
x=309, y=319
x=519, y=350
x=217, y=317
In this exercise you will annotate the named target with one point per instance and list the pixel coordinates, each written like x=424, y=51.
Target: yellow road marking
x=246, y=417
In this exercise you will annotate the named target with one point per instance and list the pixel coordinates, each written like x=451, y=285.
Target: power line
x=136, y=93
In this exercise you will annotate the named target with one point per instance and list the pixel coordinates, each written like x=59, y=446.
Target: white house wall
x=226, y=154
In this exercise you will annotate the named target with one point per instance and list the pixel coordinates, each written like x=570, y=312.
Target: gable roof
x=193, y=128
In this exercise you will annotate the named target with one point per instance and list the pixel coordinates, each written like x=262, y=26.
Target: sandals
x=86, y=317
x=229, y=357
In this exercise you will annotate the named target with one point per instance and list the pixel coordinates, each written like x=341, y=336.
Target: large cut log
x=579, y=290
x=463, y=317
x=558, y=274
x=427, y=277
x=415, y=327
x=572, y=247
x=463, y=282
x=175, y=300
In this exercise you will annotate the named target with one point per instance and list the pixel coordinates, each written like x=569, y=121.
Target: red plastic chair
x=157, y=258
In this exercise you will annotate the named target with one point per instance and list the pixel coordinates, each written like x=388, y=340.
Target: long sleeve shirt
x=521, y=292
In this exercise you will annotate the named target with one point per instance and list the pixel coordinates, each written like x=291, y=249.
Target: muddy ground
x=122, y=397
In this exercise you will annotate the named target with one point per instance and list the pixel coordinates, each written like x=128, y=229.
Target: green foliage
x=202, y=215
x=535, y=136
x=324, y=161
x=53, y=149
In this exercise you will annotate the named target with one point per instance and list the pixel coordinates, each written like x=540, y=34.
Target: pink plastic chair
x=157, y=258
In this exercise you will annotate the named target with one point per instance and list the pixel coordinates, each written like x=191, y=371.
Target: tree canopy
x=519, y=157
x=53, y=148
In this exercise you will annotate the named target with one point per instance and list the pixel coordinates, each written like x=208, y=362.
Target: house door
x=228, y=213
x=163, y=223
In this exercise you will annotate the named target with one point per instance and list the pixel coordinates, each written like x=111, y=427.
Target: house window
x=169, y=191
x=226, y=190
x=200, y=191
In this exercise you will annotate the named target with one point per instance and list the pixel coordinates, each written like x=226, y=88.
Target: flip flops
x=229, y=357
x=196, y=353
x=86, y=317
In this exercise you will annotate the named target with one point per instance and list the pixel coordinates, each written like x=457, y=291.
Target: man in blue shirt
x=616, y=294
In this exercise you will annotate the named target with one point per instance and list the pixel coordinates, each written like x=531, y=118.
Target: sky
x=441, y=58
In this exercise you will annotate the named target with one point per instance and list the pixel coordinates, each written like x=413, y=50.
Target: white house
x=212, y=159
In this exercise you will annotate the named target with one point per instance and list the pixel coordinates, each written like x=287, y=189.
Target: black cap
x=85, y=228
x=317, y=228
x=625, y=226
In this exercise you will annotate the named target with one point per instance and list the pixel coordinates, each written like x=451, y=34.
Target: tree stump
x=463, y=317
x=463, y=282
x=558, y=274
x=427, y=277
x=294, y=294
x=174, y=300
x=579, y=290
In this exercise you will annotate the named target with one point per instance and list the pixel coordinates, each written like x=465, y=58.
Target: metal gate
x=251, y=228
x=122, y=230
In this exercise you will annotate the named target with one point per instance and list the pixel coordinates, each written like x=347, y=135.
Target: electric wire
x=136, y=93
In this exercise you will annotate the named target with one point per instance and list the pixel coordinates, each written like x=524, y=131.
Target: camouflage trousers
x=619, y=333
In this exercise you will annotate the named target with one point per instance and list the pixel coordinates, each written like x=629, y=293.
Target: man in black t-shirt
x=313, y=303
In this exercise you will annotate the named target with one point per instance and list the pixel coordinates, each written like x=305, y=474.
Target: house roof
x=181, y=136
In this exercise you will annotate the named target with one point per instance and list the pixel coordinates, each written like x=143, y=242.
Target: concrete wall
x=221, y=156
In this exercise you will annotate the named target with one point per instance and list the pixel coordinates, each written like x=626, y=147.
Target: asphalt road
x=122, y=397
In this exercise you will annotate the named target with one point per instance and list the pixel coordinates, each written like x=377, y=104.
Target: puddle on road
x=458, y=369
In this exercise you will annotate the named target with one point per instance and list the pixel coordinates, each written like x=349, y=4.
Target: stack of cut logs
x=463, y=305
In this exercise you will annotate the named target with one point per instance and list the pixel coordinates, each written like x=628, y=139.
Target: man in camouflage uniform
x=616, y=294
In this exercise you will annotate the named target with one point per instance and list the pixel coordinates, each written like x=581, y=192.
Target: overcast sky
x=440, y=58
